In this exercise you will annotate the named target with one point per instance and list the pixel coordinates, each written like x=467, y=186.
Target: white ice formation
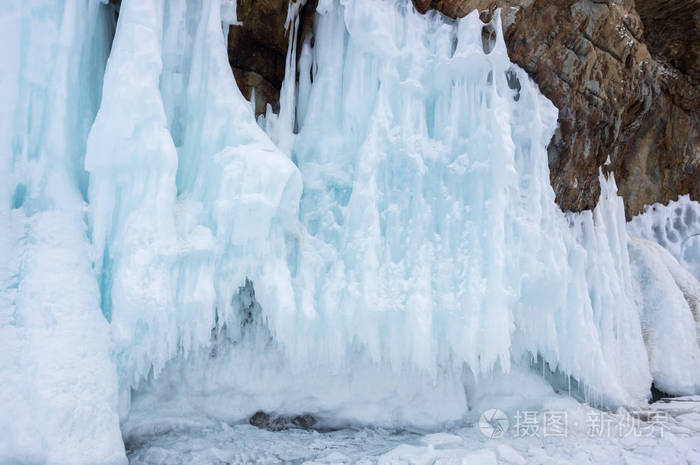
x=395, y=248
x=675, y=227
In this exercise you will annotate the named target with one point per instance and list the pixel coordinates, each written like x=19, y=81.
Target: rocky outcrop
x=624, y=77
x=257, y=48
x=671, y=33
x=266, y=421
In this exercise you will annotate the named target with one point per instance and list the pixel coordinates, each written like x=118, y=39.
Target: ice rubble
x=669, y=441
x=402, y=245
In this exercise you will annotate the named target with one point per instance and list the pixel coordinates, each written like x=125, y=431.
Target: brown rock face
x=671, y=33
x=257, y=49
x=625, y=80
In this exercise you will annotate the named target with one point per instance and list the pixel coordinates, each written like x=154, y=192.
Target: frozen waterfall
x=393, y=256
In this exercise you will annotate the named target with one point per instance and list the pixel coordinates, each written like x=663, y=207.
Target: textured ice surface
x=59, y=384
x=185, y=189
x=669, y=298
x=428, y=211
x=428, y=250
x=675, y=227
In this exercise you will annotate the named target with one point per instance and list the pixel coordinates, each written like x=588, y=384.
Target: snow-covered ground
x=668, y=432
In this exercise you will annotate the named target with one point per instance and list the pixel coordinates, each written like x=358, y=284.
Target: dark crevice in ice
x=561, y=382
x=659, y=395
x=248, y=321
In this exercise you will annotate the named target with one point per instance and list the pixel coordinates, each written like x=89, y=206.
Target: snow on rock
x=675, y=227
x=228, y=13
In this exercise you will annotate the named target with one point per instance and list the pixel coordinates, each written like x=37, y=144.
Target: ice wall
x=393, y=255
x=188, y=196
x=428, y=249
x=426, y=187
x=669, y=299
x=59, y=383
x=665, y=253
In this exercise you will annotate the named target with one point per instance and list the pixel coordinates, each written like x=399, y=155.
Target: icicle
x=228, y=14
x=281, y=127
x=228, y=17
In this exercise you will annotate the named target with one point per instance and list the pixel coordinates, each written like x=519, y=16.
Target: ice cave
x=383, y=255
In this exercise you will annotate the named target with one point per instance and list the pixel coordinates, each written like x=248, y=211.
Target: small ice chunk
x=510, y=455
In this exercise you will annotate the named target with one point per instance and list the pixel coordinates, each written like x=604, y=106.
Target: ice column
x=59, y=392
x=188, y=196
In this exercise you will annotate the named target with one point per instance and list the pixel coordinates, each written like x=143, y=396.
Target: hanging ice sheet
x=428, y=251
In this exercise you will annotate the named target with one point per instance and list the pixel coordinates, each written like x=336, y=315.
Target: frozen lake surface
x=667, y=433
